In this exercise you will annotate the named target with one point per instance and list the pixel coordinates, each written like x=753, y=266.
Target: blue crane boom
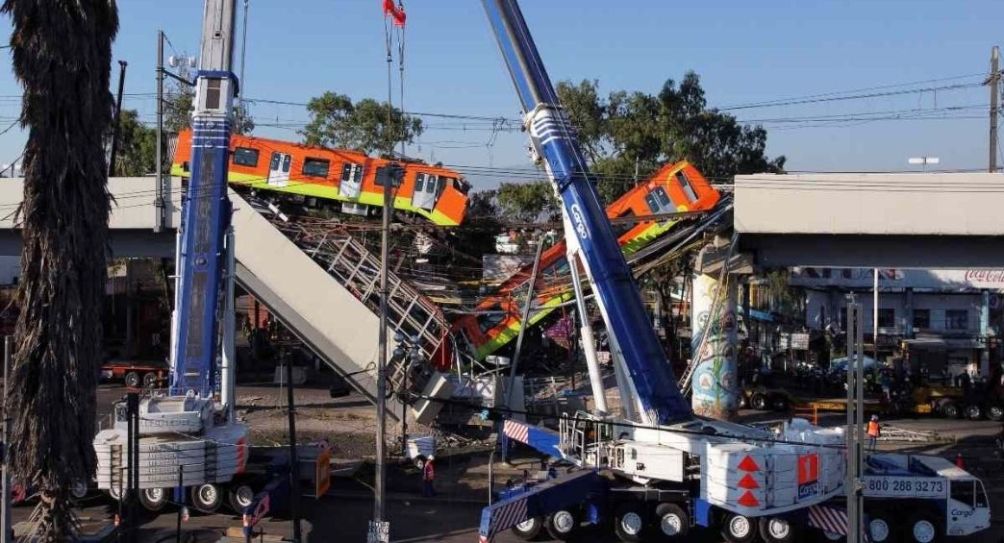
x=555, y=141
x=206, y=211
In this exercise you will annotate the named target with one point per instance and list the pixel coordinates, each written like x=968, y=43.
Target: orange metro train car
x=347, y=177
x=678, y=187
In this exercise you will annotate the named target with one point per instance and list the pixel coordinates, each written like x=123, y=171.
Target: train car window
x=286, y=163
x=658, y=201
x=352, y=173
x=316, y=167
x=431, y=184
x=688, y=188
x=245, y=156
x=419, y=182
x=274, y=162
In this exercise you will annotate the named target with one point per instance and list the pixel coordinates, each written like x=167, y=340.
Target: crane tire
x=529, y=529
x=671, y=521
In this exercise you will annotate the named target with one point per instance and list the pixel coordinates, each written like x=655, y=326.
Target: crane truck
x=656, y=470
x=188, y=439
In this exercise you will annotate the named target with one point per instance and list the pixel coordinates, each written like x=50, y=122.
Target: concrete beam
x=123, y=243
x=874, y=251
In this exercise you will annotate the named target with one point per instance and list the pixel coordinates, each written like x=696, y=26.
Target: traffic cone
x=959, y=462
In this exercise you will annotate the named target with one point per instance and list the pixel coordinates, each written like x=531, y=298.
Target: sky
x=745, y=52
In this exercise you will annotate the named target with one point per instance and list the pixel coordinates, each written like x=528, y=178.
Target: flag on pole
x=395, y=12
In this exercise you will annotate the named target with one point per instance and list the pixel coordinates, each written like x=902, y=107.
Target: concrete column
x=985, y=333
x=908, y=313
x=715, y=380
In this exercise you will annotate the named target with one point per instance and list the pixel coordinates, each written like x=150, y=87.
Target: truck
x=187, y=438
x=916, y=498
x=135, y=373
x=654, y=470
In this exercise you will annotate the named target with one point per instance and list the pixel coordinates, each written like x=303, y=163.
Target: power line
x=800, y=99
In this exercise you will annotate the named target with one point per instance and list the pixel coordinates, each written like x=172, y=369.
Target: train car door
x=658, y=201
x=425, y=194
x=278, y=169
x=352, y=180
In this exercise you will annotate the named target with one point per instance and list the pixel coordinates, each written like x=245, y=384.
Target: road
x=344, y=515
x=345, y=519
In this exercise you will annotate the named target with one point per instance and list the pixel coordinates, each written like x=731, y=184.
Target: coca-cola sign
x=985, y=276
x=959, y=280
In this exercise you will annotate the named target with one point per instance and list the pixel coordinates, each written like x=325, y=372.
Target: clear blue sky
x=744, y=51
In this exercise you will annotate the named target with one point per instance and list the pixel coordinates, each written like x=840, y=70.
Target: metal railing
x=352, y=265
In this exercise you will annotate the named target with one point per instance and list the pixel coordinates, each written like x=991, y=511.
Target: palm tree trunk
x=62, y=56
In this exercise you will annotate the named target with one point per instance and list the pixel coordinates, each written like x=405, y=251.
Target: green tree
x=62, y=55
x=178, y=100
x=137, y=152
x=336, y=122
x=482, y=222
x=527, y=202
x=630, y=134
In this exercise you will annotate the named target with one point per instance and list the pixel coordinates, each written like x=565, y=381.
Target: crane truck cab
x=913, y=498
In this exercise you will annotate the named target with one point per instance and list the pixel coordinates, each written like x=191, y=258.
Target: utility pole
x=158, y=202
x=294, y=462
x=244, y=44
x=875, y=312
x=389, y=177
x=994, y=82
x=118, y=118
x=855, y=419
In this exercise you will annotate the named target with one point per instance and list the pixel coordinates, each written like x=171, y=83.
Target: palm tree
x=62, y=57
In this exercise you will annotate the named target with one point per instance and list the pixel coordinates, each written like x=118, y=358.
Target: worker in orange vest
x=874, y=431
x=428, y=476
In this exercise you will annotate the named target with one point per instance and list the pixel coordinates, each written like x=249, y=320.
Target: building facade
x=947, y=320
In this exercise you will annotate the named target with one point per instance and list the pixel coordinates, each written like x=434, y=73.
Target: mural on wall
x=715, y=380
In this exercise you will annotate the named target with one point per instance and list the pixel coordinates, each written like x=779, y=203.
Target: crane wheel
x=672, y=522
x=629, y=522
x=561, y=524
x=827, y=537
x=150, y=380
x=132, y=380
x=778, y=530
x=922, y=528
x=153, y=499
x=759, y=402
x=240, y=496
x=739, y=529
x=529, y=529
x=882, y=527
x=206, y=498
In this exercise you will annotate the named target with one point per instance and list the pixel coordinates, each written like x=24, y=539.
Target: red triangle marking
x=748, y=464
x=748, y=500
x=748, y=482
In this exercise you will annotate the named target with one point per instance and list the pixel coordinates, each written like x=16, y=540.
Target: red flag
x=395, y=12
